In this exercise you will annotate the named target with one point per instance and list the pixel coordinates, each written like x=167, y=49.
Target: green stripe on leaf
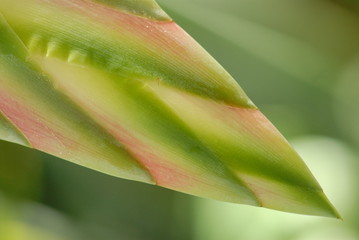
x=137, y=98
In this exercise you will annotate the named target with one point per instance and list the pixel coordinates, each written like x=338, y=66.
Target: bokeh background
x=298, y=60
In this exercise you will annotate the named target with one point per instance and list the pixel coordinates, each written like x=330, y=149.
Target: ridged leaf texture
x=118, y=87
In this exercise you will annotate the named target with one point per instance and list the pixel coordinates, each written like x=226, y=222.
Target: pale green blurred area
x=298, y=60
x=32, y=221
x=332, y=162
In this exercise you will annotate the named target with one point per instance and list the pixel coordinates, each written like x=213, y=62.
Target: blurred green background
x=298, y=60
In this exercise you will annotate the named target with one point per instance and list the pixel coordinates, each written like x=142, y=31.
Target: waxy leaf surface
x=118, y=87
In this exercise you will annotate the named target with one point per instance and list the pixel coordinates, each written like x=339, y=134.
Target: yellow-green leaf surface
x=118, y=87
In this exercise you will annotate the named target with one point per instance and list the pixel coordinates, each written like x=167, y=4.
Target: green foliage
x=132, y=105
x=300, y=71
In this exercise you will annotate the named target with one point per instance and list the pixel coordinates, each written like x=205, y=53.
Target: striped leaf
x=118, y=87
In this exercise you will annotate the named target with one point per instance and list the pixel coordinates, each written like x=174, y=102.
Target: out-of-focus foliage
x=20, y=171
x=298, y=60
x=30, y=221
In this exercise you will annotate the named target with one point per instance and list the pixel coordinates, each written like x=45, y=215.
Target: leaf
x=136, y=97
x=144, y=8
